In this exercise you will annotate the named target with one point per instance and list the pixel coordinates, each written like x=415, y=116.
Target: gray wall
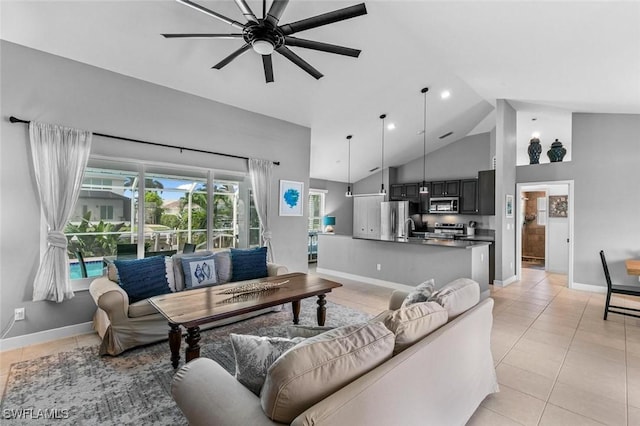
x=604, y=167
x=336, y=204
x=460, y=159
x=505, y=185
x=44, y=87
x=403, y=263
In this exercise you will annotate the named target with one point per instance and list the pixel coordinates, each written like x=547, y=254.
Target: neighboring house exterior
x=103, y=205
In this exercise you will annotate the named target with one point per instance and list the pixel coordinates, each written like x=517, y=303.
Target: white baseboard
x=369, y=280
x=45, y=336
x=503, y=283
x=589, y=287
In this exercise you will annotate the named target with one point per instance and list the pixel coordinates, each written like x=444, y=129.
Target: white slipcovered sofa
x=439, y=380
x=123, y=326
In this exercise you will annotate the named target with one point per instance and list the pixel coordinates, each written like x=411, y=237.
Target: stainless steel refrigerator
x=393, y=219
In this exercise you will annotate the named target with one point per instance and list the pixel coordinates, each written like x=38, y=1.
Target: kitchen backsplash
x=428, y=220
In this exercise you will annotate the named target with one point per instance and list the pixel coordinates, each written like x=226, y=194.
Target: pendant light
x=349, y=193
x=382, y=190
x=424, y=189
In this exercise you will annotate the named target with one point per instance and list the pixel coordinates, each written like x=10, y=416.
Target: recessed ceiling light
x=445, y=94
x=391, y=126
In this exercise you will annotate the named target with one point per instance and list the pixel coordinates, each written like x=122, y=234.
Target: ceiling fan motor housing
x=262, y=32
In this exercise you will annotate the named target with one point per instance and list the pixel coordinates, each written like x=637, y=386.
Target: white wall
x=44, y=87
x=557, y=234
x=551, y=125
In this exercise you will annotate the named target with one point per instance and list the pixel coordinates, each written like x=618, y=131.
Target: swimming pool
x=94, y=269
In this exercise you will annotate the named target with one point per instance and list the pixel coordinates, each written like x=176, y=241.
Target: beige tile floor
x=557, y=361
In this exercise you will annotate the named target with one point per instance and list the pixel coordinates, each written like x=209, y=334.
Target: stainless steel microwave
x=443, y=205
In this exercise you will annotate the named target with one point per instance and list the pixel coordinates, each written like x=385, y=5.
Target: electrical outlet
x=18, y=314
x=379, y=267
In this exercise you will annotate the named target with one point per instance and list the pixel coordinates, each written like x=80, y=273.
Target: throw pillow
x=178, y=272
x=306, y=331
x=413, y=323
x=457, y=296
x=249, y=264
x=143, y=278
x=223, y=266
x=255, y=354
x=320, y=365
x=420, y=294
x=168, y=263
x=199, y=271
x=112, y=271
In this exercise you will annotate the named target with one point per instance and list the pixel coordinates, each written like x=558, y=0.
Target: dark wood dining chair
x=126, y=251
x=629, y=290
x=189, y=248
x=83, y=266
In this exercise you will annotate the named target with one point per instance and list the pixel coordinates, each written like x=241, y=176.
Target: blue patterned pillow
x=199, y=271
x=143, y=278
x=249, y=264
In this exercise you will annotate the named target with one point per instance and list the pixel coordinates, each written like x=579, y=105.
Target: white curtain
x=59, y=157
x=260, y=173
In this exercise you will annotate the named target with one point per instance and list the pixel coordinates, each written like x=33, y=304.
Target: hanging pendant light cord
x=382, y=117
x=424, y=138
x=423, y=187
x=349, y=194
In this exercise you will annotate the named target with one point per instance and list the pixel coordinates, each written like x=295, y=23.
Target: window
x=106, y=212
x=316, y=209
x=179, y=206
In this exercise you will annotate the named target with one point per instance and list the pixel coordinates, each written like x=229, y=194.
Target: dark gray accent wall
x=45, y=87
x=336, y=204
x=460, y=159
x=605, y=169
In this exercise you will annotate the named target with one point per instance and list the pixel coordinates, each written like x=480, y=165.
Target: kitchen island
x=404, y=263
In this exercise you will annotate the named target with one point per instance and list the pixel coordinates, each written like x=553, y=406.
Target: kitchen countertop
x=436, y=242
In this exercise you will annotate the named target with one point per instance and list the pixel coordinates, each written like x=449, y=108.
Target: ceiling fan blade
x=222, y=36
x=246, y=10
x=211, y=13
x=275, y=11
x=323, y=47
x=324, y=19
x=268, y=68
x=284, y=51
x=231, y=57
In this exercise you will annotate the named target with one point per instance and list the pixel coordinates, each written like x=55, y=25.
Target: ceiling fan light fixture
x=262, y=47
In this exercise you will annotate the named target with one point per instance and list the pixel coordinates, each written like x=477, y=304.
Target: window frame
x=141, y=168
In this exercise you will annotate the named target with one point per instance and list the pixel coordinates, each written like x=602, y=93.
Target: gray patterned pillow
x=421, y=293
x=255, y=354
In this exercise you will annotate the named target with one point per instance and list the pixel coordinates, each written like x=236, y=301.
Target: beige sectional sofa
x=439, y=380
x=123, y=326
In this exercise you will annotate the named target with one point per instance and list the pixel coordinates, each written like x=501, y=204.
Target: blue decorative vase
x=534, y=151
x=557, y=152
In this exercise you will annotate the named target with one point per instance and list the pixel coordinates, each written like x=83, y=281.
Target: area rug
x=79, y=387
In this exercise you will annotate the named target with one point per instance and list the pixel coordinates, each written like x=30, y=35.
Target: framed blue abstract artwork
x=291, y=198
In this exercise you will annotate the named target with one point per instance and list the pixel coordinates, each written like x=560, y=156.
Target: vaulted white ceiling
x=575, y=56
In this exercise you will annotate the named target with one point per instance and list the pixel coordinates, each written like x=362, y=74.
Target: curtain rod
x=164, y=145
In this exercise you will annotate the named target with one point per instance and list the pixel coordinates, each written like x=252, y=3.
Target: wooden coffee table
x=192, y=308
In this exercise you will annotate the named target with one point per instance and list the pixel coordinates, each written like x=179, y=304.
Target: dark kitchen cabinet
x=469, y=196
x=446, y=188
x=405, y=192
x=487, y=192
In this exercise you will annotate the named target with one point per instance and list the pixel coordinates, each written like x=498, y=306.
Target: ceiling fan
x=265, y=36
